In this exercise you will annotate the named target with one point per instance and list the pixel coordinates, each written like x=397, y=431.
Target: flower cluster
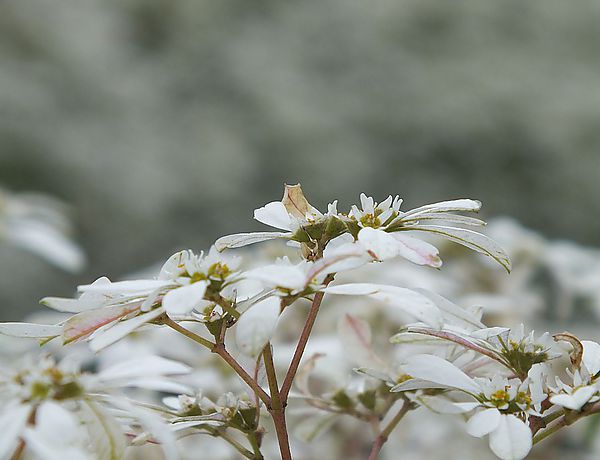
x=511, y=385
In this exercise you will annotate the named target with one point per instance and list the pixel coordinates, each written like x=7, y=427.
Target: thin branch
x=189, y=334
x=384, y=435
x=277, y=409
x=310, y=321
x=567, y=419
x=219, y=349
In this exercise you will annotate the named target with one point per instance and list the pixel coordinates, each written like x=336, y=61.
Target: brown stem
x=277, y=409
x=384, y=435
x=308, y=325
x=219, y=349
x=567, y=419
x=282, y=434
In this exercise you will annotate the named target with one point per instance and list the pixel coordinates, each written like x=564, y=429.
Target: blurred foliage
x=165, y=122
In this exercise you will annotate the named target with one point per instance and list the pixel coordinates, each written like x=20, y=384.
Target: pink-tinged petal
x=511, y=440
x=83, y=324
x=355, y=335
x=378, y=244
x=275, y=215
x=483, y=422
x=417, y=251
x=244, y=239
x=470, y=239
x=103, y=338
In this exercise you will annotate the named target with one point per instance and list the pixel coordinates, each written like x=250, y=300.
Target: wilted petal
x=511, y=440
x=483, y=422
x=183, y=300
x=438, y=370
x=256, y=326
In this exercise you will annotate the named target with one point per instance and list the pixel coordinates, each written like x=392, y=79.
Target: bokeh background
x=163, y=123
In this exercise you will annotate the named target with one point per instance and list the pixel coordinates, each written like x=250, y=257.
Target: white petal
x=470, y=239
x=417, y=251
x=183, y=300
x=106, y=435
x=452, y=313
x=417, y=384
x=275, y=215
x=353, y=289
x=413, y=303
x=30, y=330
x=67, y=305
x=146, y=366
x=104, y=338
x=591, y=356
x=48, y=243
x=256, y=326
x=576, y=400
x=12, y=421
x=279, y=275
x=443, y=405
x=438, y=370
x=379, y=244
x=244, y=239
x=512, y=439
x=131, y=286
x=464, y=205
x=483, y=422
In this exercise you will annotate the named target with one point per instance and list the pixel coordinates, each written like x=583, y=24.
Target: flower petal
x=511, y=440
x=275, y=215
x=483, y=422
x=379, y=244
x=417, y=251
x=576, y=400
x=256, y=326
x=104, y=338
x=183, y=300
x=239, y=240
x=438, y=370
x=30, y=330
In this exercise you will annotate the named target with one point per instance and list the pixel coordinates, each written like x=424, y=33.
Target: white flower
x=63, y=413
x=502, y=403
x=38, y=223
x=384, y=221
x=290, y=214
x=585, y=386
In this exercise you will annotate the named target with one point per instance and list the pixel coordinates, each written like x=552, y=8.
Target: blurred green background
x=164, y=123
